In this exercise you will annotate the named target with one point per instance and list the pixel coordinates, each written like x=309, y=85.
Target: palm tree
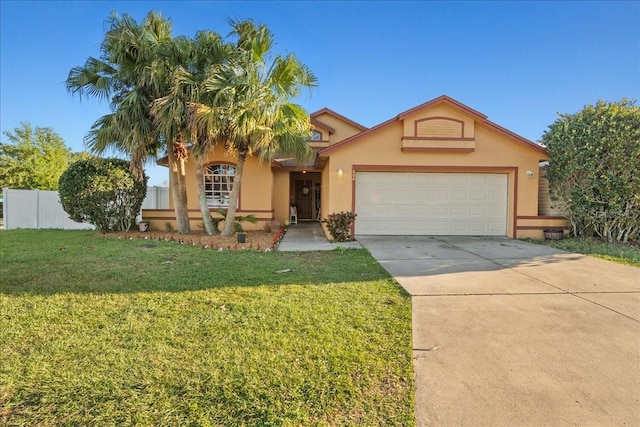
x=175, y=111
x=250, y=108
x=114, y=77
x=132, y=71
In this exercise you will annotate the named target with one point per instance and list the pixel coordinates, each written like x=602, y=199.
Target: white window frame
x=316, y=136
x=218, y=184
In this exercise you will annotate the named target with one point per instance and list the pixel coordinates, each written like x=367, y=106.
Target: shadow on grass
x=623, y=253
x=48, y=262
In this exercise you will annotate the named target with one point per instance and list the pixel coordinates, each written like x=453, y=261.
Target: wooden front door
x=304, y=198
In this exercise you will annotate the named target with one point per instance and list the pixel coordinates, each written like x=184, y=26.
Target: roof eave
x=318, y=123
x=339, y=116
x=519, y=139
x=452, y=102
x=444, y=99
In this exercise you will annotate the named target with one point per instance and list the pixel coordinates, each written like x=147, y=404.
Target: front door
x=304, y=198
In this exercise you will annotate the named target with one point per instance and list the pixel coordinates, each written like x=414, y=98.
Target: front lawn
x=97, y=331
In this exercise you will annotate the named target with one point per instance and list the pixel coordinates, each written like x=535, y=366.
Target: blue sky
x=520, y=63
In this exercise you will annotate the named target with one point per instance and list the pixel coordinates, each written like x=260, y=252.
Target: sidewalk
x=308, y=236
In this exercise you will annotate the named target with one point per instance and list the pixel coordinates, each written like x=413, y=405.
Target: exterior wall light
x=340, y=172
x=530, y=174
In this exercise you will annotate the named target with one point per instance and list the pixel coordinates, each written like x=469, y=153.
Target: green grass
x=95, y=331
x=622, y=253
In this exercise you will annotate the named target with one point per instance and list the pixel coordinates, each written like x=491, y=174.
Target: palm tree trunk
x=136, y=169
x=229, y=221
x=209, y=226
x=178, y=193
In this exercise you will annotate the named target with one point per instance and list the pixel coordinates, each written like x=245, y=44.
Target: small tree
x=594, y=169
x=102, y=192
x=34, y=159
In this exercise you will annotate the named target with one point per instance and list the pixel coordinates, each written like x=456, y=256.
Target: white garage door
x=443, y=204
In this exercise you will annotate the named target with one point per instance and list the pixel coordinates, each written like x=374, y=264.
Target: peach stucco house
x=440, y=168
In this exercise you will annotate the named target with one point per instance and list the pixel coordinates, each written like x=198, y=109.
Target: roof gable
x=317, y=124
x=453, y=127
x=315, y=116
x=444, y=99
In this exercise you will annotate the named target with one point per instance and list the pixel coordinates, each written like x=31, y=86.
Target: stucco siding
x=494, y=152
x=439, y=136
x=256, y=194
x=342, y=130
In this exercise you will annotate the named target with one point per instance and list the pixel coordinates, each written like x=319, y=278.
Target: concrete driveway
x=507, y=333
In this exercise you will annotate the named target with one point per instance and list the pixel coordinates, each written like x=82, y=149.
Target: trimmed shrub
x=339, y=225
x=594, y=171
x=102, y=192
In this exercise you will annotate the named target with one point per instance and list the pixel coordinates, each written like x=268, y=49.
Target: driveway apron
x=507, y=333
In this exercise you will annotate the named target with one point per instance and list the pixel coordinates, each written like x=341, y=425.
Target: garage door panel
x=403, y=226
x=387, y=210
x=480, y=211
x=437, y=211
x=496, y=229
x=458, y=211
x=458, y=195
x=459, y=227
x=422, y=194
x=427, y=211
x=431, y=203
x=480, y=196
x=496, y=180
x=440, y=194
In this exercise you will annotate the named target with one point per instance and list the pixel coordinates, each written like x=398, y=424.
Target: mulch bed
x=256, y=240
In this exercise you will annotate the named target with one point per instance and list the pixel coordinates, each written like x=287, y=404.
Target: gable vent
x=439, y=127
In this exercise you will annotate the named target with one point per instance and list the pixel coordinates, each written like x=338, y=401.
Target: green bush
x=102, y=192
x=339, y=225
x=594, y=169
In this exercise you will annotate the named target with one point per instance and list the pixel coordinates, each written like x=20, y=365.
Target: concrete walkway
x=507, y=333
x=309, y=236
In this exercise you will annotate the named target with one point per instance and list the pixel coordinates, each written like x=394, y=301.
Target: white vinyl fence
x=156, y=198
x=42, y=209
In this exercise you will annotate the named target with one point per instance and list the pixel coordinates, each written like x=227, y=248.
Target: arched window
x=316, y=136
x=218, y=182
